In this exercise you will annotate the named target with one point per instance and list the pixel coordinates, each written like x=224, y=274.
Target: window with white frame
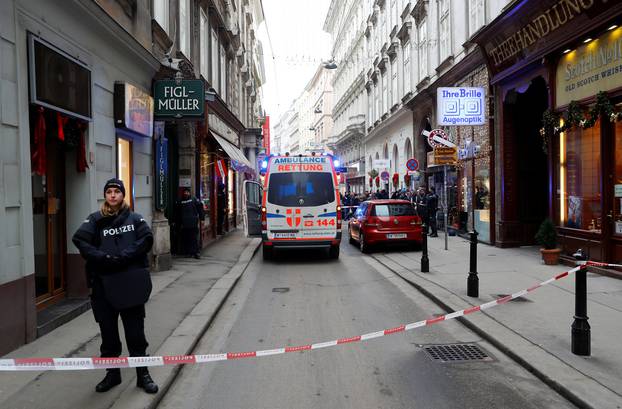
x=184, y=27
x=215, y=79
x=370, y=111
x=376, y=102
x=160, y=13
x=204, y=45
x=422, y=34
x=223, y=73
x=394, y=96
x=477, y=15
x=385, y=92
x=393, y=12
x=444, y=29
x=406, y=61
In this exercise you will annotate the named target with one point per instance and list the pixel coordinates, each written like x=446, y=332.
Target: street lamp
x=210, y=94
x=330, y=65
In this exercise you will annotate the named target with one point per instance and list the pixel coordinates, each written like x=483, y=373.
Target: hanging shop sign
x=133, y=109
x=461, y=105
x=179, y=99
x=381, y=164
x=445, y=156
x=161, y=162
x=593, y=67
x=438, y=138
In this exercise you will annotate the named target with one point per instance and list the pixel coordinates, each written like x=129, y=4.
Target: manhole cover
x=280, y=289
x=517, y=299
x=457, y=353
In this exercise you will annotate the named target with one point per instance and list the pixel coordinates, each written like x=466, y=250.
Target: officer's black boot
x=143, y=380
x=112, y=379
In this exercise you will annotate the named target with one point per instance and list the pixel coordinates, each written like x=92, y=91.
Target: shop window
x=580, y=177
x=617, y=180
x=124, y=168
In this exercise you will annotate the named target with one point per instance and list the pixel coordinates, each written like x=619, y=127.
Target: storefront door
x=612, y=209
x=48, y=199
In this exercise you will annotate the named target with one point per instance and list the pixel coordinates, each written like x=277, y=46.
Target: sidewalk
x=182, y=304
x=534, y=329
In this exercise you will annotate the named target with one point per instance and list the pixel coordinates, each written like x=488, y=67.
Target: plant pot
x=550, y=257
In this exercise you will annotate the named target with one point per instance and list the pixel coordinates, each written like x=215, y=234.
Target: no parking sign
x=412, y=164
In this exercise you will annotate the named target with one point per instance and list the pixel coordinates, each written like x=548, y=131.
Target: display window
x=580, y=178
x=124, y=168
x=617, y=181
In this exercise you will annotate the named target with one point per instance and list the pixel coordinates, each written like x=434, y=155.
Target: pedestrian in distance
x=432, y=204
x=115, y=241
x=420, y=201
x=189, y=211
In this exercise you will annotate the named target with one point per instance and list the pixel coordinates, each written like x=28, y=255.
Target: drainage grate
x=518, y=299
x=280, y=289
x=457, y=353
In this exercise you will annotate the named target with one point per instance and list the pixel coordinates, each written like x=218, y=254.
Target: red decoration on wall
x=377, y=181
x=396, y=179
x=38, y=150
x=371, y=182
x=407, y=179
x=60, y=122
x=81, y=163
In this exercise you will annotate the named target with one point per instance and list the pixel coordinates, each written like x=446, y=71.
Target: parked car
x=388, y=221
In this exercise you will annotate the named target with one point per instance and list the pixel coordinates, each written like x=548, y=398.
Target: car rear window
x=386, y=210
x=301, y=189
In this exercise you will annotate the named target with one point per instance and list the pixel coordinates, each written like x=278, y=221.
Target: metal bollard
x=580, y=329
x=425, y=261
x=473, y=280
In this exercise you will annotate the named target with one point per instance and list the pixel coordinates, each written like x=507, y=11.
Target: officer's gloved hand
x=113, y=262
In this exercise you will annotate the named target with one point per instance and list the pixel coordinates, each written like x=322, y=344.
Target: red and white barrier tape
x=62, y=364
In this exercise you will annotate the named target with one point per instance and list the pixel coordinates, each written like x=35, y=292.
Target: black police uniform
x=432, y=204
x=189, y=212
x=116, y=245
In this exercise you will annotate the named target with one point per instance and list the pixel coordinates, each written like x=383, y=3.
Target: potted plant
x=547, y=238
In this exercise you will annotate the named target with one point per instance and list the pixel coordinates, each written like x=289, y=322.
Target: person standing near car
x=432, y=205
x=189, y=212
x=115, y=241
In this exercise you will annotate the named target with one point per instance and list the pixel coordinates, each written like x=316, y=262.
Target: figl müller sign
x=179, y=99
x=461, y=106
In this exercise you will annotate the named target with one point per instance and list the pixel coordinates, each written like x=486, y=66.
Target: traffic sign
x=384, y=175
x=412, y=164
x=445, y=156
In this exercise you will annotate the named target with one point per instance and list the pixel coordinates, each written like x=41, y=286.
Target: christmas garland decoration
x=575, y=117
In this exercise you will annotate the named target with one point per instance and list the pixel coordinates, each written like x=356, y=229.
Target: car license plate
x=284, y=235
x=396, y=236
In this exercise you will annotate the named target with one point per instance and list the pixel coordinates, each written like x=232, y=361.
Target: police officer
x=114, y=241
x=432, y=204
x=189, y=212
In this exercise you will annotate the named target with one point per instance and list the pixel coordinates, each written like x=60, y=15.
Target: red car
x=385, y=221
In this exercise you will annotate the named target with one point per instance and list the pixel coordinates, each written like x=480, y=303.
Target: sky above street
x=299, y=44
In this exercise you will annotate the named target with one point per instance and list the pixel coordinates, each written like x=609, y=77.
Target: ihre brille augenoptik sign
x=461, y=106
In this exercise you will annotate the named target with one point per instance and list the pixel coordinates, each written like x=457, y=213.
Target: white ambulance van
x=297, y=206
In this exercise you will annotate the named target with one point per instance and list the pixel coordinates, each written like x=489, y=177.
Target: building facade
x=77, y=108
x=554, y=69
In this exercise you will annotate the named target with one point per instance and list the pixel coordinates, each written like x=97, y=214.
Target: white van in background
x=299, y=206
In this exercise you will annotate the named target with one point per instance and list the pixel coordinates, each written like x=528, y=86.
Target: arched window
x=408, y=150
x=395, y=160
